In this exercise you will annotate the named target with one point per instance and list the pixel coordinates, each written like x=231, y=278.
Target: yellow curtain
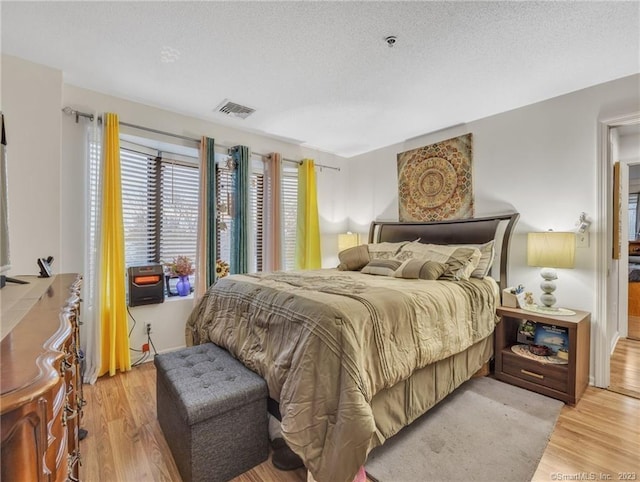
x=112, y=303
x=308, y=228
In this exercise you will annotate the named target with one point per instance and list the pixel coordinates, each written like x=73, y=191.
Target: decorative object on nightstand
x=550, y=250
x=348, y=240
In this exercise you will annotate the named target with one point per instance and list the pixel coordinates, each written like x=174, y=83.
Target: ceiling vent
x=235, y=110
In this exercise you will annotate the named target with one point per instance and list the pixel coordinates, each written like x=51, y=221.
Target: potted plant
x=182, y=266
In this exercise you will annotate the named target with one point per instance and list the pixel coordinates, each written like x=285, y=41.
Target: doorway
x=625, y=356
x=609, y=288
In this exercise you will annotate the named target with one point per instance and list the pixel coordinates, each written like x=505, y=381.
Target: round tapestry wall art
x=434, y=182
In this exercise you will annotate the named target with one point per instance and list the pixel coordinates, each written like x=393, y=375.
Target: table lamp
x=348, y=240
x=550, y=250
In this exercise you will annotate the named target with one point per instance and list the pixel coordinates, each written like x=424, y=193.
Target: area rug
x=486, y=430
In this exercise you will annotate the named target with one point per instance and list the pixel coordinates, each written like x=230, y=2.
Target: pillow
x=385, y=250
x=353, y=259
x=419, y=269
x=487, y=255
x=460, y=261
x=382, y=267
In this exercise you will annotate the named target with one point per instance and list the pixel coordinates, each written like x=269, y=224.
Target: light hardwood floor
x=625, y=368
x=600, y=435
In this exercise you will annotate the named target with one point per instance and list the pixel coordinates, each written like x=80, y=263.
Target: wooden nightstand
x=564, y=382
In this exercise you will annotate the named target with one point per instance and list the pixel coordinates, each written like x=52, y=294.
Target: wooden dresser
x=41, y=387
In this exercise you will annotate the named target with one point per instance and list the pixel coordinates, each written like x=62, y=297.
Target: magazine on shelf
x=526, y=332
x=556, y=338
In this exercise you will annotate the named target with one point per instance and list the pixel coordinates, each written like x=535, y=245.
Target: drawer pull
x=531, y=374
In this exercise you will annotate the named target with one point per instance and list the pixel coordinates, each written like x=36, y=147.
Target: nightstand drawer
x=546, y=375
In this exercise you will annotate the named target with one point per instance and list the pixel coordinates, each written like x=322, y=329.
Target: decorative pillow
x=382, y=267
x=385, y=250
x=487, y=255
x=353, y=259
x=460, y=261
x=419, y=269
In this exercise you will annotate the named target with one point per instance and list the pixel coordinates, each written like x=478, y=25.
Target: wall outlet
x=147, y=328
x=582, y=240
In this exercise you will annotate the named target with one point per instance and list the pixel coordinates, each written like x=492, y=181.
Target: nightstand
x=564, y=382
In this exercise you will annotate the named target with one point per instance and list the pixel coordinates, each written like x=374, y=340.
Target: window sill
x=171, y=299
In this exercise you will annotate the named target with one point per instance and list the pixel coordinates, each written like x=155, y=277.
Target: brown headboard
x=458, y=231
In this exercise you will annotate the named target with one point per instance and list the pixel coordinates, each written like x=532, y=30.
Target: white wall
x=47, y=172
x=539, y=160
x=629, y=151
x=31, y=97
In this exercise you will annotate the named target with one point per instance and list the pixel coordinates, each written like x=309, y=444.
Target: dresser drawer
x=546, y=375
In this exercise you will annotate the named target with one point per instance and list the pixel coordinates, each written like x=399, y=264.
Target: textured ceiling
x=321, y=73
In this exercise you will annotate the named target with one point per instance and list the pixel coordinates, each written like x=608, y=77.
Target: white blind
x=224, y=190
x=139, y=199
x=290, y=214
x=256, y=206
x=179, y=211
x=159, y=207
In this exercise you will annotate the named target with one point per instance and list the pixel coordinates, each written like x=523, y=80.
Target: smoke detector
x=391, y=40
x=234, y=110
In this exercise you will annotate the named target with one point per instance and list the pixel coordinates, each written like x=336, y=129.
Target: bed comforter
x=327, y=341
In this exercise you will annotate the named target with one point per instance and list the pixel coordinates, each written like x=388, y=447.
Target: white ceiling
x=320, y=73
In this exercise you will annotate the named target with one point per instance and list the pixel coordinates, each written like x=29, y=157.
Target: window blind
x=290, y=214
x=256, y=203
x=139, y=199
x=179, y=211
x=159, y=207
x=224, y=189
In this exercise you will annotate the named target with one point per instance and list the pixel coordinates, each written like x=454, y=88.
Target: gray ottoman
x=213, y=412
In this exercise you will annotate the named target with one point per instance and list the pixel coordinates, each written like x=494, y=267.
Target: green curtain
x=240, y=234
x=212, y=213
x=308, y=226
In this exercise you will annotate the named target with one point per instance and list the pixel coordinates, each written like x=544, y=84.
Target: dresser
x=40, y=385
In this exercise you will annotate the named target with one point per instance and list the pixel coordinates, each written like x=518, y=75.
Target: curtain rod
x=155, y=131
x=197, y=141
x=321, y=166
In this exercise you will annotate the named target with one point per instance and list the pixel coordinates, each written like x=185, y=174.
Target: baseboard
x=614, y=342
x=166, y=350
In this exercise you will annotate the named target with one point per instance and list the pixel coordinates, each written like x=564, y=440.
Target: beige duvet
x=327, y=341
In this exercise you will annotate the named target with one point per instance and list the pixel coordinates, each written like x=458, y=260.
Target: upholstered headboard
x=458, y=231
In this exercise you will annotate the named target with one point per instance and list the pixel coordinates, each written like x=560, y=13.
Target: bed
x=351, y=358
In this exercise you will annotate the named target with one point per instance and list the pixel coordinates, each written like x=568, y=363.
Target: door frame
x=604, y=228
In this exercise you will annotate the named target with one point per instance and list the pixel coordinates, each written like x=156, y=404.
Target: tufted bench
x=213, y=412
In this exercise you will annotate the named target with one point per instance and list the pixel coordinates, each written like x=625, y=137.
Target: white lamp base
x=548, y=286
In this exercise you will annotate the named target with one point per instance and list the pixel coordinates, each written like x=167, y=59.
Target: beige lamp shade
x=348, y=240
x=551, y=249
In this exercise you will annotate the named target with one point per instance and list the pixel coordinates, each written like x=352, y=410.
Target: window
x=633, y=216
x=256, y=205
x=290, y=215
x=159, y=205
x=224, y=192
